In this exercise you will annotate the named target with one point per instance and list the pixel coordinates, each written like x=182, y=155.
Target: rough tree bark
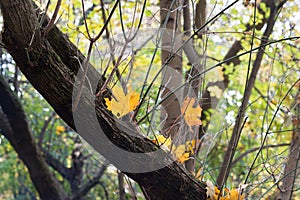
x=50, y=64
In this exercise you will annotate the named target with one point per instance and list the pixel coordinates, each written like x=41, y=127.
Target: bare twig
x=43, y=130
x=52, y=20
x=121, y=186
x=86, y=61
x=234, y=162
x=268, y=130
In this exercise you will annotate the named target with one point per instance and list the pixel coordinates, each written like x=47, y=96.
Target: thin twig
x=52, y=20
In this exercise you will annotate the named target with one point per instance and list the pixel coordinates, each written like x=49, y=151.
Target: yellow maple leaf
x=121, y=103
x=190, y=112
x=191, y=145
x=184, y=157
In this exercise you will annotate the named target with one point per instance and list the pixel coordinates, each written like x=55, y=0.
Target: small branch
x=56, y=165
x=229, y=154
x=105, y=190
x=16, y=81
x=121, y=186
x=86, y=61
x=200, y=17
x=292, y=168
x=43, y=131
x=89, y=185
x=52, y=20
x=5, y=127
x=85, y=66
x=132, y=192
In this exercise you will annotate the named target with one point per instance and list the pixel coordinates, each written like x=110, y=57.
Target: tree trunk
x=171, y=58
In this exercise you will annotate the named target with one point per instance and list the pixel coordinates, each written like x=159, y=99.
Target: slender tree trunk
x=171, y=58
x=200, y=17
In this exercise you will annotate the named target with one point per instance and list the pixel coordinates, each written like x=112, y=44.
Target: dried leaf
x=161, y=140
x=212, y=192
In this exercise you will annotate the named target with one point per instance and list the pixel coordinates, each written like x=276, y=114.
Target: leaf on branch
x=121, y=103
x=190, y=112
x=181, y=152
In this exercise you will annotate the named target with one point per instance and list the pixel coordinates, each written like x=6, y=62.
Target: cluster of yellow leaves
x=59, y=130
x=182, y=152
x=213, y=193
x=190, y=112
x=121, y=103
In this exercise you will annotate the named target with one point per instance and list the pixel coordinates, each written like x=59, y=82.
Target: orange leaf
x=191, y=113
